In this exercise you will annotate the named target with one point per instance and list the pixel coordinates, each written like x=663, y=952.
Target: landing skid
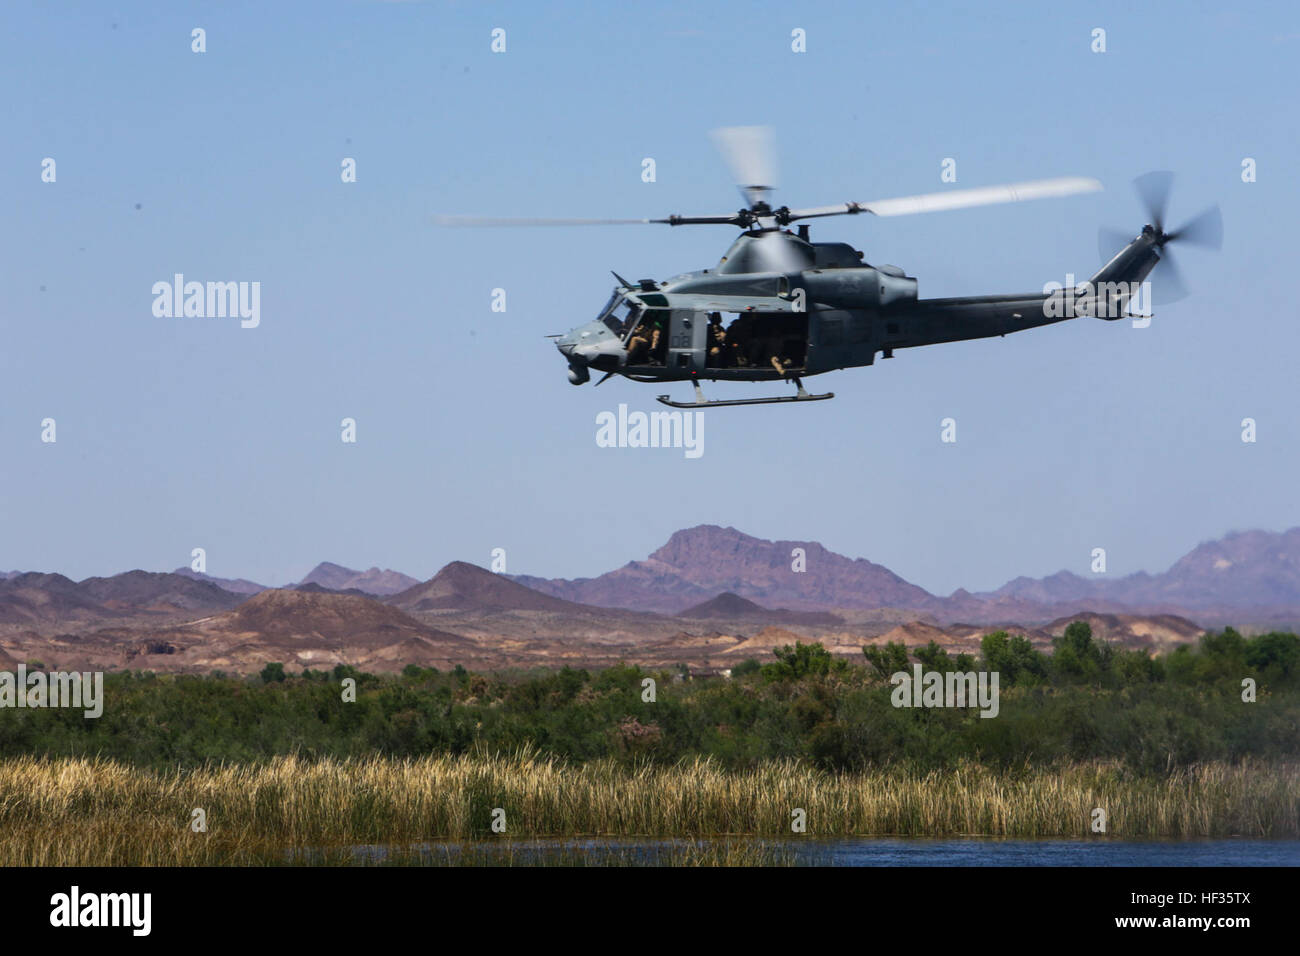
x=702, y=402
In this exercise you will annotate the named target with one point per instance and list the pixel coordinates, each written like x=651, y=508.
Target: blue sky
x=183, y=433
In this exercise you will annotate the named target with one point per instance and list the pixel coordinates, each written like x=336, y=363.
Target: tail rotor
x=1204, y=230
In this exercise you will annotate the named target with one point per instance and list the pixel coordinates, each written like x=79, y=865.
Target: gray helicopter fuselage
x=819, y=302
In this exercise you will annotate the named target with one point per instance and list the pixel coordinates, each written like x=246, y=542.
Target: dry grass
x=76, y=812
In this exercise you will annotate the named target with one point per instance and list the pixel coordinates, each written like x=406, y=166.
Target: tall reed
x=90, y=811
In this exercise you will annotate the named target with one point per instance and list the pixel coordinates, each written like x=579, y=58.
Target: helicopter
x=800, y=308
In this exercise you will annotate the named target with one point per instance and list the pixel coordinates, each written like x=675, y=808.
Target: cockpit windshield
x=620, y=316
x=607, y=313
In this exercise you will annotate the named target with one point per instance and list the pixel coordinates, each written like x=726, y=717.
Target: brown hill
x=765, y=641
x=299, y=629
x=733, y=607
x=155, y=591
x=288, y=615
x=461, y=586
x=314, y=588
x=294, y=628
x=916, y=633
x=335, y=577
x=34, y=597
x=237, y=585
x=1157, y=633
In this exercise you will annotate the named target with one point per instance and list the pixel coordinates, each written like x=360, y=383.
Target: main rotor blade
x=750, y=154
x=530, y=221
x=1205, y=230
x=983, y=196
x=957, y=198
x=1153, y=189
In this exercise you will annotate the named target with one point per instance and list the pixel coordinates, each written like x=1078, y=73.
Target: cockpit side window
x=631, y=317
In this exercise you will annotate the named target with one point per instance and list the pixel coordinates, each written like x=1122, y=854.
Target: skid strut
x=801, y=395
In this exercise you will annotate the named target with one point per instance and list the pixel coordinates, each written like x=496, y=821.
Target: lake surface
x=867, y=851
x=976, y=852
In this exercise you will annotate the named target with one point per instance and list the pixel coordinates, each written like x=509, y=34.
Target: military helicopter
x=800, y=308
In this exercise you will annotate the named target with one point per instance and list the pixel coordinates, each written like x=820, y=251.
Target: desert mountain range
x=708, y=598
x=1252, y=573
x=327, y=575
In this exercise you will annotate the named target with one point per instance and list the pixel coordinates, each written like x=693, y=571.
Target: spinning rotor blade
x=956, y=198
x=729, y=219
x=750, y=154
x=530, y=221
x=983, y=196
x=1205, y=230
x=1153, y=190
x=1168, y=285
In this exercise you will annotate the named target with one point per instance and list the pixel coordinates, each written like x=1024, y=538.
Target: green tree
x=1227, y=645
x=802, y=660
x=887, y=660
x=272, y=673
x=1276, y=656
x=1077, y=657
x=1013, y=658
x=933, y=657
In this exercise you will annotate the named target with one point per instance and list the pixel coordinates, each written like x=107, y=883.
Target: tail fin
x=1133, y=263
x=1122, y=279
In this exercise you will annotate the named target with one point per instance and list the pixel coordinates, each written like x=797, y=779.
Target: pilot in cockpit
x=647, y=338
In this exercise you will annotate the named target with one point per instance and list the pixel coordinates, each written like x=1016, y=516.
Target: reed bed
x=74, y=812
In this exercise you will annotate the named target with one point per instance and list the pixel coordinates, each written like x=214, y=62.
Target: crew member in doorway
x=736, y=335
x=717, y=339
x=647, y=338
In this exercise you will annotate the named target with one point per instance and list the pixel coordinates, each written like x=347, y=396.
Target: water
x=987, y=852
x=866, y=851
